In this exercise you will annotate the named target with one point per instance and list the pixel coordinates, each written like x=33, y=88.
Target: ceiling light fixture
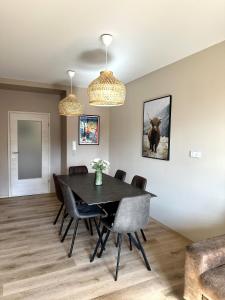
x=70, y=106
x=106, y=90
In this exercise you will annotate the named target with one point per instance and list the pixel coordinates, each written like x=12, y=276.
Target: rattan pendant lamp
x=70, y=106
x=106, y=90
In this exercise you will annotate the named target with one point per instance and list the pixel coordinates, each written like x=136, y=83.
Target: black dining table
x=111, y=190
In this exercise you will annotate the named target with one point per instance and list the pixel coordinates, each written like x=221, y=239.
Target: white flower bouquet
x=99, y=164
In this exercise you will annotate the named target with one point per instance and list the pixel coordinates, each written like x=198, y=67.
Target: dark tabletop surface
x=111, y=190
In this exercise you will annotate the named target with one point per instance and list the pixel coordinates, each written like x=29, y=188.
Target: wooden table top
x=111, y=190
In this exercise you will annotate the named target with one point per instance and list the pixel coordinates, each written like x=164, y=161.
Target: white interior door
x=29, y=153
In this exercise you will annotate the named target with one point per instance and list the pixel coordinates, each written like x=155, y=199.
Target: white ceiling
x=41, y=39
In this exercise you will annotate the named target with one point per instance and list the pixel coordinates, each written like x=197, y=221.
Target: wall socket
x=195, y=154
x=74, y=146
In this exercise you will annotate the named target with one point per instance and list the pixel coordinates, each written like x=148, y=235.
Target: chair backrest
x=132, y=214
x=58, y=189
x=69, y=200
x=120, y=175
x=139, y=182
x=76, y=170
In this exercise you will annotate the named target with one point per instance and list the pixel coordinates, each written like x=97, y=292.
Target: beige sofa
x=205, y=270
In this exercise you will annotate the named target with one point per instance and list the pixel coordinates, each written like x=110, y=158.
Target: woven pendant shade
x=69, y=106
x=106, y=90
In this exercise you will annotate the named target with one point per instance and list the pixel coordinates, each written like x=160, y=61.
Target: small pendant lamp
x=70, y=106
x=106, y=90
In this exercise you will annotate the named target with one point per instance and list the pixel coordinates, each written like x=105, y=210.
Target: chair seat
x=213, y=283
x=89, y=211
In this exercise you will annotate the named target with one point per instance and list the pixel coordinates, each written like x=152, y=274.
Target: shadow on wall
x=206, y=231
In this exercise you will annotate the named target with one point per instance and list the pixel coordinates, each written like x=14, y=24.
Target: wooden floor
x=34, y=264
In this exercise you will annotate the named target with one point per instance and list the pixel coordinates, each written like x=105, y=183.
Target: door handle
x=15, y=152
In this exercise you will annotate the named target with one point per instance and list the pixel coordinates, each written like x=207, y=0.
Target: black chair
x=59, y=196
x=121, y=175
x=81, y=170
x=131, y=216
x=140, y=182
x=76, y=170
x=78, y=212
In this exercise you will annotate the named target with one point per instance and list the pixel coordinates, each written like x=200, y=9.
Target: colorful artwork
x=89, y=130
x=156, y=128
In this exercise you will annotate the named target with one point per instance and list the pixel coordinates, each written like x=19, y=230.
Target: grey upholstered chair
x=140, y=182
x=78, y=212
x=132, y=214
x=75, y=170
x=120, y=174
x=59, y=196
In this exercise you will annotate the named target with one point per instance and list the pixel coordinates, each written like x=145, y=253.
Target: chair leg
x=58, y=214
x=97, y=245
x=133, y=241
x=90, y=227
x=67, y=229
x=104, y=243
x=120, y=238
x=130, y=242
x=98, y=231
x=62, y=221
x=117, y=240
x=73, y=238
x=143, y=252
x=86, y=224
x=143, y=235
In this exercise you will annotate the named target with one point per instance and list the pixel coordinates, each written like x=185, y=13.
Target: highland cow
x=154, y=134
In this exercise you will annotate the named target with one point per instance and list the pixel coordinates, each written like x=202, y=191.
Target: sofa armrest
x=200, y=257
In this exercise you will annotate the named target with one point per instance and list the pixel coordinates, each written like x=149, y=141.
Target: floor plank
x=34, y=264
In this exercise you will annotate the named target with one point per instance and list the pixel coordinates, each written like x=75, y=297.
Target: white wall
x=85, y=153
x=191, y=192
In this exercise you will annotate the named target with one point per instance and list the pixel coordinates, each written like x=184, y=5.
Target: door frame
x=9, y=146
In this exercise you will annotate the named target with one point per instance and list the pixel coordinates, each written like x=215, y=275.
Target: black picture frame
x=156, y=128
x=88, y=137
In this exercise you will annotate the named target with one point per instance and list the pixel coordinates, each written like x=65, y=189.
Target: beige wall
x=191, y=192
x=85, y=153
x=30, y=102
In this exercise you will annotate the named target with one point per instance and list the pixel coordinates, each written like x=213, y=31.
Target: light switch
x=74, y=146
x=195, y=154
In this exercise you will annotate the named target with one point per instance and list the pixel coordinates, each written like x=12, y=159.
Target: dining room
x=112, y=150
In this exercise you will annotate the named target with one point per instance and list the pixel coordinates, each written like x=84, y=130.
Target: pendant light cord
x=71, y=85
x=106, y=57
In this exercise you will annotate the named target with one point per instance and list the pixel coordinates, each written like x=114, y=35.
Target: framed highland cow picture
x=156, y=128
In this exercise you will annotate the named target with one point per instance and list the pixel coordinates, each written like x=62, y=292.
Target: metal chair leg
x=86, y=224
x=120, y=237
x=73, y=238
x=62, y=221
x=130, y=242
x=67, y=229
x=98, y=231
x=143, y=252
x=97, y=245
x=90, y=227
x=58, y=214
x=143, y=235
x=117, y=240
x=104, y=243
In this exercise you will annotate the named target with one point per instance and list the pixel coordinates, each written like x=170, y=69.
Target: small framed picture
x=89, y=130
x=156, y=128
